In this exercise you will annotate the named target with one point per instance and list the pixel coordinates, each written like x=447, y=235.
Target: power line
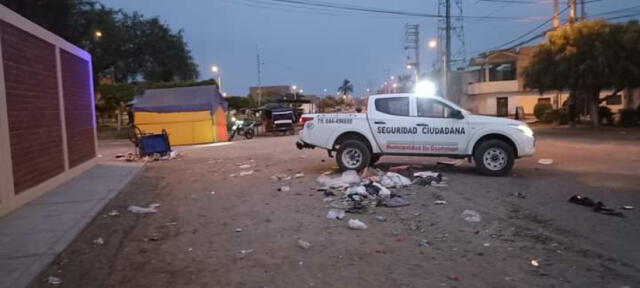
x=336, y=6
x=526, y=34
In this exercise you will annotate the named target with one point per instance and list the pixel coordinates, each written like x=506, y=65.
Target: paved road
x=192, y=240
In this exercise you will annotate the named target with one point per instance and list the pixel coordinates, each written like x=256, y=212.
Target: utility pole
x=412, y=41
x=259, y=80
x=573, y=11
x=452, y=52
x=446, y=59
x=556, y=14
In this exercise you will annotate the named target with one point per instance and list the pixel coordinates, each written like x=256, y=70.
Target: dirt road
x=208, y=218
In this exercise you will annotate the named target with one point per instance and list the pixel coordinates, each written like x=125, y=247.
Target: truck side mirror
x=456, y=114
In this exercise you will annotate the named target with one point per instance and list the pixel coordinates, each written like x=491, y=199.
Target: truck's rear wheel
x=494, y=158
x=353, y=155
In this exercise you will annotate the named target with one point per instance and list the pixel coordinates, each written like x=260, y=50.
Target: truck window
x=428, y=107
x=397, y=106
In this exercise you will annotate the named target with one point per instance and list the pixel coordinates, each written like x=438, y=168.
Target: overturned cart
x=148, y=144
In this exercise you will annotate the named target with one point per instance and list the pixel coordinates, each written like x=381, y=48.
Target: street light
x=216, y=70
x=98, y=34
x=294, y=88
x=433, y=43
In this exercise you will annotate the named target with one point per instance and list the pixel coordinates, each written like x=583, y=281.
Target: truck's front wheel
x=494, y=158
x=353, y=155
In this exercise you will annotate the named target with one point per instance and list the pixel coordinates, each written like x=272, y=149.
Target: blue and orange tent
x=191, y=115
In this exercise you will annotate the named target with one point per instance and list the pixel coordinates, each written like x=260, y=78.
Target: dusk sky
x=316, y=48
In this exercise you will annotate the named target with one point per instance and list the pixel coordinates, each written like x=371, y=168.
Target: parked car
x=418, y=125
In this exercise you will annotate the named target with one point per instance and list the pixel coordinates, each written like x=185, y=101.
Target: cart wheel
x=135, y=134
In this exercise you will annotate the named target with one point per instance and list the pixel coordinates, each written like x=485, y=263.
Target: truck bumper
x=527, y=147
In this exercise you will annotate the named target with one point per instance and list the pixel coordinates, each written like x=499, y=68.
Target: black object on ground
x=598, y=207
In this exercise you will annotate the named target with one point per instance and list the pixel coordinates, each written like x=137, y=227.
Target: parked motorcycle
x=245, y=128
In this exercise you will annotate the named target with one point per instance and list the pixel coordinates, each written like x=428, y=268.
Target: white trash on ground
x=246, y=166
x=384, y=192
x=54, y=280
x=304, y=244
x=356, y=224
x=335, y=214
x=345, y=180
x=98, y=241
x=545, y=161
x=392, y=179
x=245, y=173
x=471, y=216
x=143, y=210
x=284, y=189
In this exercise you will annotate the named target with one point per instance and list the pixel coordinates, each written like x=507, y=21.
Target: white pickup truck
x=416, y=125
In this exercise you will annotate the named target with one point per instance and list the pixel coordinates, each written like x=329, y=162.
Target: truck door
x=392, y=124
x=438, y=132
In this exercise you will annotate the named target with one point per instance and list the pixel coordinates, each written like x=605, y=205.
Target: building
x=47, y=115
x=271, y=93
x=493, y=85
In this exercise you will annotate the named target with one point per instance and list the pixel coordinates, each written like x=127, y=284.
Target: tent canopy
x=182, y=99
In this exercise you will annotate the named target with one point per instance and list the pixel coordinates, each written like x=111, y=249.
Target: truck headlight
x=524, y=129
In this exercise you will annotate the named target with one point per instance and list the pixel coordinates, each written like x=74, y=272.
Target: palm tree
x=345, y=88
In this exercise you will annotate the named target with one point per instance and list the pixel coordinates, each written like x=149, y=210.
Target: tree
x=129, y=47
x=586, y=58
x=345, y=88
x=239, y=102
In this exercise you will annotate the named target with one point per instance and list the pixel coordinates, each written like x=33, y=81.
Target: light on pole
x=433, y=43
x=216, y=71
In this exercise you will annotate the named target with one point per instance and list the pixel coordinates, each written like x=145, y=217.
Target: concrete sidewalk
x=33, y=235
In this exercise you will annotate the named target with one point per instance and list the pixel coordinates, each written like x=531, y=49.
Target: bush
x=605, y=115
x=628, y=117
x=541, y=108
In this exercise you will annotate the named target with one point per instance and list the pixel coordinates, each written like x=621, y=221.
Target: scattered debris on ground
x=113, y=213
x=238, y=230
x=598, y=207
x=355, y=193
x=356, y=224
x=245, y=166
x=245, y=173
x=281, y=177
x=304, y=244
x=336, y=214
x=423, y=243
x=98, y=241
x=545, y=161
x=298, y=175
x=471, y=216
x=244, y=253
x=519, y=195
x=284, y=189
x=627, y=207
x=143, y=210
x=54, y=280
x=535, y=263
